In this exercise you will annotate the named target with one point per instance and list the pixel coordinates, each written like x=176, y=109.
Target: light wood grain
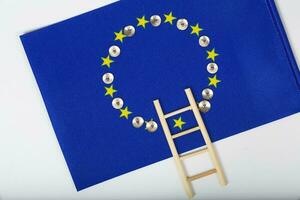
x=185, y=132
x=193, y=154
x=181, y=170
x=206, y=137
x=202, y=174
x=179, y=158
x=177, y=112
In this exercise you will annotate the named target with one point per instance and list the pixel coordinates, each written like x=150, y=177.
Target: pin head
x=204, y=106
x=114, y=51
x=137, y=122
x=155, y=20
x=207, y=94
x=212, y=68
x=117, y=103
x=129, y=31
x=204, y=41
x=151, y=126
x=182, y=24
x=108, y=78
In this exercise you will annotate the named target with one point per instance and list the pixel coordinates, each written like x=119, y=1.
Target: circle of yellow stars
x=143, y=22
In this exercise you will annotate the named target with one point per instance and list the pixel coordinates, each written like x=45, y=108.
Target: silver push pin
x=137, y=122
x=129, y=31
x=207, y=94
x=204, y=106
x=108, y=78
x=212, y=68
x=114, y=51
x=182, y=24
x=155, y=20
x=151, y=126
x=117, y=103
x=204, y=41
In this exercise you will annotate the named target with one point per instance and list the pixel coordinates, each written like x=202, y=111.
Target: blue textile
x=259, y=78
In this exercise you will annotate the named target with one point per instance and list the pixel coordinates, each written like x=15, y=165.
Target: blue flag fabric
x=257, y=80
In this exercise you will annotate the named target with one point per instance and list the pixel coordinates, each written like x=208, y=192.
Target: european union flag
x=100, y=72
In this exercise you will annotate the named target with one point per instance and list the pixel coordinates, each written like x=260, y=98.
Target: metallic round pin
x=137, y=122
x=129, y=31
x=114, y=51
x=212, y=68
x=182, y=24
x=117, y=103
x=108, y=78
x=151, y=126
x=207, y=94
x=204, y=41
x=204, y=106
x=155, y=20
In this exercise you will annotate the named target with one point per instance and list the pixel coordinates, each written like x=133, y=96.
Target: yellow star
x=110, y=91
x=119, y=36
x=214, y=81
x=212, y=55
x=196, y=30
x=125, y=113
x=142, y=22
x=106, y=61
x=169, y=18
x=179, y=123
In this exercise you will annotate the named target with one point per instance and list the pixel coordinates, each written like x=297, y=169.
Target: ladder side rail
x=206, y=137
x=186, y=183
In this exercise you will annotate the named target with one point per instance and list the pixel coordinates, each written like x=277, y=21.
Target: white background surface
x=262, y=163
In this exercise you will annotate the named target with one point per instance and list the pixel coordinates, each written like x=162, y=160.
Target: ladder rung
x=185, y=132
x=182, y=110
x=194, y=153
x=201, y=175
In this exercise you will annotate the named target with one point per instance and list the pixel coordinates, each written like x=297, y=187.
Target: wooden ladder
x=186, y=180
